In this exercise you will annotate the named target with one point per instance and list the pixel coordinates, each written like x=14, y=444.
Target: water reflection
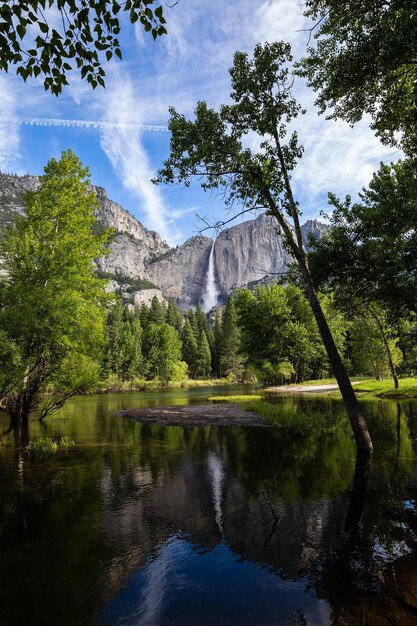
x=153, y=525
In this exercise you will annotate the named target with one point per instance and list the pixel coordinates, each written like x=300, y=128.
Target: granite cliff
x=141, y=265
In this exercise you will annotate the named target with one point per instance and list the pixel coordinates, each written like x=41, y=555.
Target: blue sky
x=189, y=64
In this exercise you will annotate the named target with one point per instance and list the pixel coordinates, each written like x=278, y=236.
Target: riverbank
x=363, y=387
x=156, y=385
x=385, y=388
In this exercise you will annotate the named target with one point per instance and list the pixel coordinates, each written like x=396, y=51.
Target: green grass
x=113, y=385
x=45, y=446
x=385, y=388
x=238, y=399
x=322, y=381
x=298, y=422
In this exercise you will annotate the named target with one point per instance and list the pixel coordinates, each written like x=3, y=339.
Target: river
x=145, y=525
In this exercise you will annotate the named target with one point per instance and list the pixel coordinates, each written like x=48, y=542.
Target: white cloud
x=281, y=20
x=190, y=64
x=337, y=157
x=10, y=160
x=124, y=148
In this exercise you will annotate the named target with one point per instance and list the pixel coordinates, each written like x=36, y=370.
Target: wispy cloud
x=337, y=157
x=123, y=146
x=189, y=64
x=10, y=160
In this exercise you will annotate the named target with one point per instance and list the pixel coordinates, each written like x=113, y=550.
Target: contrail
x=37, y=121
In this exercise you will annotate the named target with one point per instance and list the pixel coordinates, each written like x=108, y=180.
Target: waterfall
x=211, y=292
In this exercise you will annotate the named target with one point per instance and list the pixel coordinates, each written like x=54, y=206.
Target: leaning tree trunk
x=357, y=421
x=294, y=241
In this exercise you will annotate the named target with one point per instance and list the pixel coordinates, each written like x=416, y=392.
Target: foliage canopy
x=365, y=61
x=54, y=37
x=370, y=252
x=52, y=303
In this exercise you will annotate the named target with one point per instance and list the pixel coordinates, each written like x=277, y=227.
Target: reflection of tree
x=357, y=496
x=128, y=487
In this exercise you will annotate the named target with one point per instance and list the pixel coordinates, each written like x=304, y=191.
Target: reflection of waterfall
x=211, y=292
x=217, y=476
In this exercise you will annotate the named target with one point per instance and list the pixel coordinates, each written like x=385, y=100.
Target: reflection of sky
x=187, y=584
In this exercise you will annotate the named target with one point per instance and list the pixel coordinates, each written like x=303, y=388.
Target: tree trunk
x=296, y=246
x=357, y=421
x=388, y=351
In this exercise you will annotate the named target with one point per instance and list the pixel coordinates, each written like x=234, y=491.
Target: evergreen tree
x=217, y=343
x=203, y=361
x=112, y=353
x=174, y=317
x=161, y=351
x=192, y=317
x=203, y=325
x=189, y=347
x=143, y=314
x=231, y=361
x=131, y=349
x=157, y=312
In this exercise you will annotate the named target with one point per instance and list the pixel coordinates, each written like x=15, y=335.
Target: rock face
x=182, y=272
x=12, y=191
x=248, y=252
x=132, y=238
x=313, y=228
x=245, y=253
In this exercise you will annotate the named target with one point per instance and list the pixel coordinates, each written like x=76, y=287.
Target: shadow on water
x=143, y=524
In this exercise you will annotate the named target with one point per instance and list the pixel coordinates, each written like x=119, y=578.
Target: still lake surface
x=142, y=525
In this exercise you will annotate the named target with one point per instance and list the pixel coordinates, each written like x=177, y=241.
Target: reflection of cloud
x=123, y=145
x=9, y=132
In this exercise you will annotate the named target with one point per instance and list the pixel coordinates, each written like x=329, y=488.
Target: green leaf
x=21, y=31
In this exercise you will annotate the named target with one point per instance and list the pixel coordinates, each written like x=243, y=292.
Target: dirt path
x=306, y=388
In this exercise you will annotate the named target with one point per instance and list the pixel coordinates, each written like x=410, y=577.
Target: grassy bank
x=153, y=385
x=300, y=422
x=385, y=388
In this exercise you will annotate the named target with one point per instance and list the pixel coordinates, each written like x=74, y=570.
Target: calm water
x=148, y=525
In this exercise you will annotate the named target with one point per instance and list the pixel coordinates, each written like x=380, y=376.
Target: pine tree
x=144, y=315
x=112, y=353
x=217, y=341
x=203, y=362
x=231, y=361
x=174, y=317
x=131, y=349
x=189, y=347
x=157, y=312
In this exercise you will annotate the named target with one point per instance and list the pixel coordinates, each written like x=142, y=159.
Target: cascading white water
x=211, y=292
